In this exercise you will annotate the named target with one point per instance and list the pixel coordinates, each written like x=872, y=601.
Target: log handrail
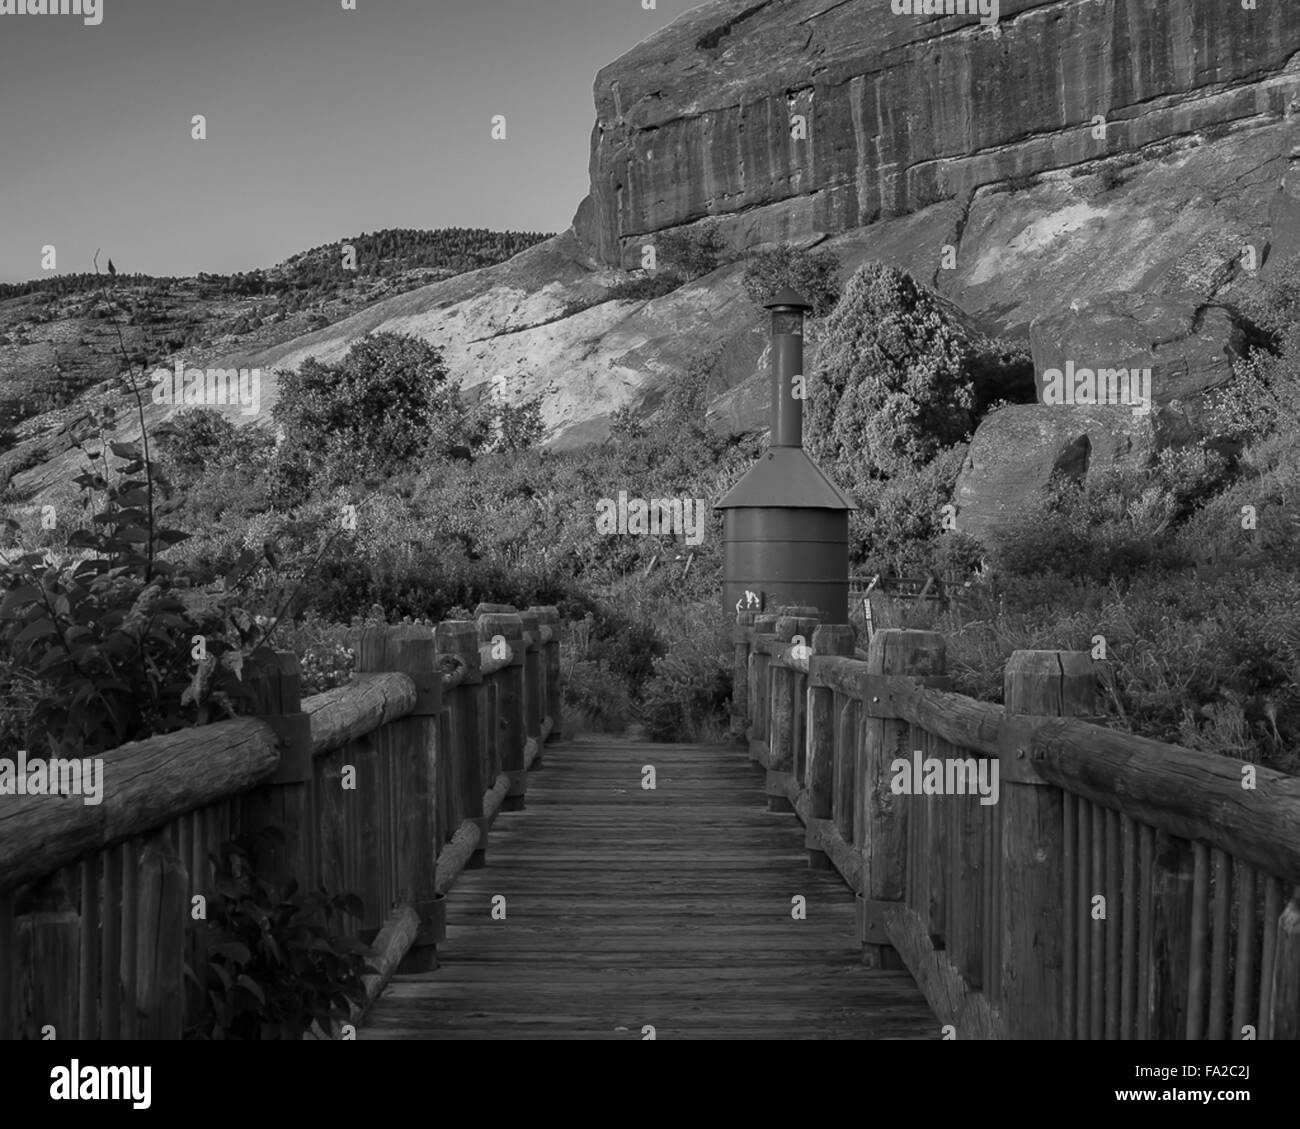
x=440, y=727
x=1193, y=857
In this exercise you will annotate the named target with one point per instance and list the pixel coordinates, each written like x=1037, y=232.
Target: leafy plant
x=687, y=699
x=813, y=274
x=891, y=384
x=276, y=960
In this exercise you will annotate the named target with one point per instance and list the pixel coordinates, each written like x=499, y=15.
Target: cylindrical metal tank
x=787, y=556
x=785, y=526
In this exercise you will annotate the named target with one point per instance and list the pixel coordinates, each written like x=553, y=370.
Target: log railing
x=1118, y=888
x=385, y=788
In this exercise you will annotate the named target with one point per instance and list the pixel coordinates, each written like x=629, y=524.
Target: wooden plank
x=673, y=908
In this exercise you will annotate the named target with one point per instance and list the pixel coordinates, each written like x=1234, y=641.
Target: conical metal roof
x=786, y=297
x=785, y=477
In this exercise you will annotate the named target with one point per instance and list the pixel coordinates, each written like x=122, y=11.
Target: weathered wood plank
x=671, y=907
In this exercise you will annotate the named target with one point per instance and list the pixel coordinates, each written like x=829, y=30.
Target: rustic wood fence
x=385, y=788
x=1119, y=888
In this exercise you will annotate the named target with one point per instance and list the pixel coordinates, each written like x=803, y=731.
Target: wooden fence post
x=49, y=958
x=285, y=800
x=532, y=685
x=759, y=689
x=1031, y=929
x=509, y=736
x=1285, y=1022
x=880, y=833
x=162, y=916
x=462, y=728
x=553, y=697
x=740, y=699
x=801, y=621
x=406, y=786
x=829, y=639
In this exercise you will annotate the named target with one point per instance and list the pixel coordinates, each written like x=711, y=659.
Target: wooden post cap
x=896, y=650
x=499, y=609
x=404, y=648
x=788, y=626
x=507, y=624
x=1057, y=683
x=765, y=624
x=833, y=639
x=532, y=629
x=457, y=641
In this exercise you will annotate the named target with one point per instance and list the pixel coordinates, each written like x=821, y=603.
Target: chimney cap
x=786, y=298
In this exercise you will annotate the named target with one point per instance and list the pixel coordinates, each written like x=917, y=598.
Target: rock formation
x=706, y=117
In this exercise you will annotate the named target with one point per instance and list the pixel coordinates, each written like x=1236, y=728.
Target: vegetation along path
x=627, y=908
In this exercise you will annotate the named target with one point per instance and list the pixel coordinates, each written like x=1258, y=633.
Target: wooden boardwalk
x=670, y=908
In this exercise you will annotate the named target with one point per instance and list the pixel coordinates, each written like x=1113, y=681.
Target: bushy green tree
x=890, y=386
x=385, y=405
x=813, y=274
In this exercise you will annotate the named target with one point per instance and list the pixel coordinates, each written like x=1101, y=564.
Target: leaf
x=17, y=601
x=233, y=661
x=233, y=951
x=252, y=987
x=33, y=631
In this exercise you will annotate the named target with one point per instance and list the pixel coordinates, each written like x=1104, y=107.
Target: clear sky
x=321, y=123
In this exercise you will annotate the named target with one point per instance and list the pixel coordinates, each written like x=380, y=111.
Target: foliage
x=276, y=961
x=595, y=698
x=375, y=413
x=812, y=274
x=890, y=386
x=692, y=252
x=644, y=287
x=687, y=698
x=899, y=524
x=109, y=634
x=383, y=252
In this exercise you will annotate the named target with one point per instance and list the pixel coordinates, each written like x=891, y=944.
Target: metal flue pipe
x=788, y=310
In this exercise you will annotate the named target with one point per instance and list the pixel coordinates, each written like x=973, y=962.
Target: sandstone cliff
x=903, y=110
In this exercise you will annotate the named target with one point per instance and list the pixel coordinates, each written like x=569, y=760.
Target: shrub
x=380, y=410
x=687, y=699
x=109, y=636
x=645, y=287
x=898, y=525
x=813, y=274
x=276, y=963
x=691, y=251
x=890, y=386
x=597, y=698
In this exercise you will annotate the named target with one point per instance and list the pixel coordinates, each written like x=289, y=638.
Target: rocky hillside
x=971, y=156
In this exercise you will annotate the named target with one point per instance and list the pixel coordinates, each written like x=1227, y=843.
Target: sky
x=321, y=123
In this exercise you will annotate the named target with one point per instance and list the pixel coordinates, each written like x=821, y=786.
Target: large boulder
x=1188, y=348
x=1018, y=448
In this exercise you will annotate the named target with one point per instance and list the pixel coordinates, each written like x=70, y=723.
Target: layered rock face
x=903, y=110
